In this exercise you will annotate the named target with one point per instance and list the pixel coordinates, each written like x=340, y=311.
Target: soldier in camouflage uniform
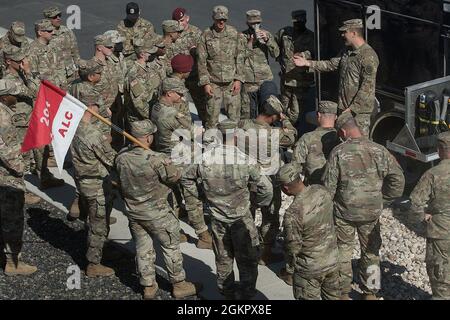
x=297, y=86
x=359, y=174
x=263, y=127
x=12, y=186
x=310, y=237
x=357, y=66
x=134, y=27
x=226, y=187
x=145, y=179
x=220, y=65
x=65, y=44
x=171, y=32
x=259, y=44
x=182, y=66
x=14, y=37
x=93, y=158
x=187, y=44
x=430, y=202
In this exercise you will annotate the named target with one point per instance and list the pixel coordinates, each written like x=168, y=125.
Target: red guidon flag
x=54, y=120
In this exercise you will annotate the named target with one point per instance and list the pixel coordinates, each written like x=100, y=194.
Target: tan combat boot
x=31, y=198
x=98, y=270
x=268, y=257
x=185, y=289
x=74, y=211
x=204, y=240
x=150, y=292
x=369, y=296
x=19, y=269
x=286, y=277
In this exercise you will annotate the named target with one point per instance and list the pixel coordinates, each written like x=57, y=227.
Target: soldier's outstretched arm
x=324, y=65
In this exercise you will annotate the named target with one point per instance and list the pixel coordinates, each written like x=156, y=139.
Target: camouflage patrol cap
x=275, y=105
x=103, y=40
x=171, y=26
x=444, y=139
x=327, y=107
x=174, y=84
x=51, y=12
x=220, y=12
x=343, y=119
x=144, y=45
x=287, y=174
x=142, y=128
x=159, y=42
x=8, y=87
x=253, y=16
x=352, y=24
x=14, y=53
x=43, y=25
x=115, y=36
x=225, y=125
x=87, y=67
x=17, y=31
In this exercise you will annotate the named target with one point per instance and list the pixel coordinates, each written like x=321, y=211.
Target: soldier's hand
x=236, y=87
x=282, y=116
x=208, y=90
x=263, y=35
x=299, y=61
x=25, y=66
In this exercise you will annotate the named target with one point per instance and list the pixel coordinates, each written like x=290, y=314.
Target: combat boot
x=268, y=257
x=31, y=198
x=98, y=270
x=112, y=220
x=150, y=292
x=204, y=240
x=74, y=211
x=286, y=277
x=185, y=289
x=18, y=269
x=369, y=296
x=51, y=182
x=51, y=162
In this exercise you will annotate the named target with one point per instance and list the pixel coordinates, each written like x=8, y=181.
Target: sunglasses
x=57, y=16
x=48, y=31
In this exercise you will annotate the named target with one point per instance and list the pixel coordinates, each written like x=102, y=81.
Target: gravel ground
x=53, y=244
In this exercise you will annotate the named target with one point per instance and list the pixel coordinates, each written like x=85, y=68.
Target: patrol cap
x=14, y=53
x=103, y=40
x=43, y=25
x=132, y=10
x=8, y=87
x=159, y=42
x=344, y=118
x=144, y=45
x=254, y=16
x=51, y=12
x=220, y=12
x=272, y=106
x=87, y=67
x=444, y=139
x=287, y=174
x=178, y=13
x=115, y=36
x=298, y=15
x=171, y=26
x=182, y=63
x=142, y=128
x=327, y=107
x=352, y=24
x=17, y=31
x=225, y=125
x=174, y=84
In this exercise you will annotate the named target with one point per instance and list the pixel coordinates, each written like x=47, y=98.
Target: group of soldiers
x=138, y=80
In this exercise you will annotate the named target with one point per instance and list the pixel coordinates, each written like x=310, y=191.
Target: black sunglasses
x=57, y=16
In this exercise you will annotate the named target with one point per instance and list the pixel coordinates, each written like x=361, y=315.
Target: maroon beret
x=182, y=63
x=178, y=13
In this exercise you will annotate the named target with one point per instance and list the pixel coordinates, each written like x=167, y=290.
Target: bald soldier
x=360, y=175
x=357, y=66
x=430, y=203
x=310, y=237
x=14, y=37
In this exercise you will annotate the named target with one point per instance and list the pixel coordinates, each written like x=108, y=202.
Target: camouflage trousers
x=369, y=272
x=194, y=209
x=249, y=101
x=27, y=156
x=237, y=240
x=95, y=202
x=41, y=156
x=198, y=97
x=167, y=231
x=293, y=100
x=438, y=267
x=222, y=93
x=324, y=286
x=11, y=220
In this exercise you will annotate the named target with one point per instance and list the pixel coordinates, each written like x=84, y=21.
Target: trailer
x=411, y=38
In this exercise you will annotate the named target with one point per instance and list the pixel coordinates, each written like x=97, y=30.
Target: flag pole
x=117, y=129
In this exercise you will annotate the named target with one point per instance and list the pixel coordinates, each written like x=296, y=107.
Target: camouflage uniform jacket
x=168, y=119
x=85, y=90
x=311, y=152
x=432, y=195
x=142, y=88
x=4, y=43
x=145, y=177
x=290, y=43
x=226, y=185
x=357, y=78
x=187, y=44
x=142, y=29
x=45, y=63
x=108, y=86
x=358, y=174
x=220, y=56
x=119, y=70
x=256, y=58
x=65, y=44
x=11, y=162
x=310, y=234
x=92, y=157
